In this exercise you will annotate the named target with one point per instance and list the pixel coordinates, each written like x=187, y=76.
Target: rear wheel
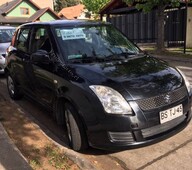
x=75, y=129
x=13, y=89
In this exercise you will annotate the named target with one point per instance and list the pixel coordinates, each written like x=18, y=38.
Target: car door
x=19, y=54
x=40, y=74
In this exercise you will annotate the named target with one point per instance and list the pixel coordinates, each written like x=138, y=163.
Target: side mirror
x=40, y=56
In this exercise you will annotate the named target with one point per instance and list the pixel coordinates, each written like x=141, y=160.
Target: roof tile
x=72, y=12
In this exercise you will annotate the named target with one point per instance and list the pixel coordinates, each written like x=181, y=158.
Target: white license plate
x=171, y=113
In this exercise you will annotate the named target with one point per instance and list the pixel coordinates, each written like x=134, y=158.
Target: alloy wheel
x=68, y=125
x=11, y=86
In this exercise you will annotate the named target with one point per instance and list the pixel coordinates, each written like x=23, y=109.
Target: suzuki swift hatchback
x=98, y=84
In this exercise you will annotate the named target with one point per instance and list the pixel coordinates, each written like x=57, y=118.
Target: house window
x=24, y=11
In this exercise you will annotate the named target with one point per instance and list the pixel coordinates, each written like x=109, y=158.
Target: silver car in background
x=6, y=33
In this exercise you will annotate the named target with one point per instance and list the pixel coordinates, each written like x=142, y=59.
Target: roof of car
x=66, y=23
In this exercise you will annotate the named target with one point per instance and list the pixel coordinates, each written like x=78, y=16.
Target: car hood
x=3, y=47
x=141, y=77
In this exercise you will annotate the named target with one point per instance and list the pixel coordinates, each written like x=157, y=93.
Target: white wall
x=4, y=1
x=44, y=3
x=189, y=28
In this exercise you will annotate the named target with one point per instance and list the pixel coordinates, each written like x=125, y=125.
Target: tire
x=75, y=129
x=13, y=89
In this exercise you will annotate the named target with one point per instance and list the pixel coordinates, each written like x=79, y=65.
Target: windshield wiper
x=96, y=58
x=86, y=59
x=114, y=57
x=121, y=56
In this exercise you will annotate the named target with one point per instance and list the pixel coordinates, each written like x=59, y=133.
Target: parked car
x=98, y=84
x=6, y=33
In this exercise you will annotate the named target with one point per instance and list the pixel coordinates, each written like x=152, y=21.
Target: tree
x=147, y=6
x=60, y=4
x=94, y=5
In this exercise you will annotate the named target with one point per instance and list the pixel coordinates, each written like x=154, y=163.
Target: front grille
x=155, y=130
x=162, y=100
x=121, y=136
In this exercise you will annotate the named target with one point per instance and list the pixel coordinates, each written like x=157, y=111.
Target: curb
x=170, y=58
x=17, y=160
x=76, y=157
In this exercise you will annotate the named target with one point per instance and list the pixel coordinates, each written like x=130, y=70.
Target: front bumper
x=2, y=71
x=142, y=129
x=134, y=139
x=2, y=63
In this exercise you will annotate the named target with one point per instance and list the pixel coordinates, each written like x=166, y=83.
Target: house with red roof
x=17, y=12
x=74, y=12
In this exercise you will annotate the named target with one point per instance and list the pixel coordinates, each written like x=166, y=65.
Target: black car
x=98, y=84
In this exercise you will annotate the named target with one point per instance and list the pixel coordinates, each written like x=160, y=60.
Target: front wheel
x=12, y=88
x=75, y=129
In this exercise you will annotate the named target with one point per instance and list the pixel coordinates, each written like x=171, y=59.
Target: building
x=74, y=12
x=17, y=12
x=40, y=3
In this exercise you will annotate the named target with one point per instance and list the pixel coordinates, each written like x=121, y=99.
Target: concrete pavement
x=173, y=58
x=10, y=156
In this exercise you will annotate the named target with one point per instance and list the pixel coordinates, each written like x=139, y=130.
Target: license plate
x=171, y=113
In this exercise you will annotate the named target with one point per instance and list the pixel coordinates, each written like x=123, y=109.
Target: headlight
x=112, y=101
x=186, y=81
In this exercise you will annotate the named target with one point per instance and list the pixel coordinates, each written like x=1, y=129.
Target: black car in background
x=103, y=88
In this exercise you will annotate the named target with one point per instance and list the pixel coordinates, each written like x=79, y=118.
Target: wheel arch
x=59, y=112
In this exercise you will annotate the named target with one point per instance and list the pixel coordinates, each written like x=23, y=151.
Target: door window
x=40, y=40
x=23, y=40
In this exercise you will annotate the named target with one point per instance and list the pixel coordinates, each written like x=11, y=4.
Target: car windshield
x=90, y=43
x=6, y=35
